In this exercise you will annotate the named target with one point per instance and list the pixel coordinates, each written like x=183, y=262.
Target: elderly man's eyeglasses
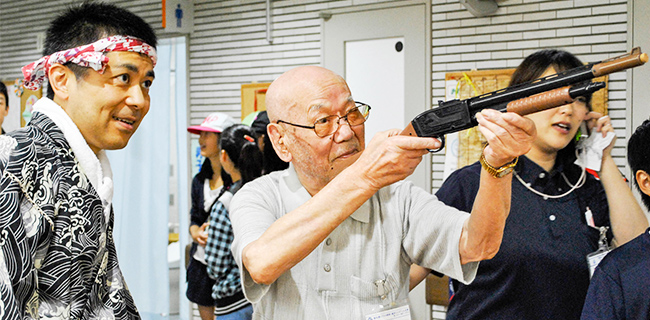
x=323, y=127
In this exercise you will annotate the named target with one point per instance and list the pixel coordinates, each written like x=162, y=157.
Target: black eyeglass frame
x=338, y=121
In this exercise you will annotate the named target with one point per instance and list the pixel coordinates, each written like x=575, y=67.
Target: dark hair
x=245, y=154
x=271, y=160
x=91, y=21
x=260, y=123
x=3, y=90
x=206, y=172
x=534, y=67
x=638, y=155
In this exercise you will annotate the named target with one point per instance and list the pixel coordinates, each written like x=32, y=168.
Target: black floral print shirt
x=57, y=255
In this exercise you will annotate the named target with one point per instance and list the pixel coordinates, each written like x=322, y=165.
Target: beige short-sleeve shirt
x=399, y=225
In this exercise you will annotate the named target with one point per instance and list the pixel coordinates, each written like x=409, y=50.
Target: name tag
x=594, y=259
x=399, y=313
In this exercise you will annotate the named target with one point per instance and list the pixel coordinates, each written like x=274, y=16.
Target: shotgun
x=526, y=98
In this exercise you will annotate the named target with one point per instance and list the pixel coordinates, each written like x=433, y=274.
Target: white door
x=384, y=56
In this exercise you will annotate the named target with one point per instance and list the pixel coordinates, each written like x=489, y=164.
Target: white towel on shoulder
x=96, y=167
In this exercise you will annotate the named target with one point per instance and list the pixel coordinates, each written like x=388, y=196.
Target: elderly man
x=57, y=255
x=334, y=235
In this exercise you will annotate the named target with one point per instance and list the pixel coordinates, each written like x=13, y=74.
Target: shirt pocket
x=373, y=293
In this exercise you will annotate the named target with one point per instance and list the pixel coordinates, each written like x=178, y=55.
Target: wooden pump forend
x=551, y=99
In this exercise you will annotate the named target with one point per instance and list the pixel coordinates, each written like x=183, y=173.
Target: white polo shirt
x=399, y=225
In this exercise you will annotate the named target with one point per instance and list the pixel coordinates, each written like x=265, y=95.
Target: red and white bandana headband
x=90, y=55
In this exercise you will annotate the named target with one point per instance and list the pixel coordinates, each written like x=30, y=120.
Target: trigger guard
x=442, y=145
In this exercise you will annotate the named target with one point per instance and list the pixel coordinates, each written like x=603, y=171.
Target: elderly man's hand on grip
x=390, y=157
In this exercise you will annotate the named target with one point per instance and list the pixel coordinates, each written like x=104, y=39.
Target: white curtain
x=141, y=199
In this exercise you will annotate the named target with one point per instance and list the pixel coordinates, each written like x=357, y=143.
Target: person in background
x=271, y=160
x=4, y=104
x=541, y=269
x=333, y=236
x=207, y=186
x=620, y=287
x=242, y=160
x=57, y=254
x=257, y=120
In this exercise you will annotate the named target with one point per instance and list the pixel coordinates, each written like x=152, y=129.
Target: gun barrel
x=551, y=82
x=540, y=94
x=451, y=117
x=631, y=59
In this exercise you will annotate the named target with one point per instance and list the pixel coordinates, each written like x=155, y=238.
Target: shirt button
x=542, y=175
x=328, y=241
x=327, y=268
x=552, y=217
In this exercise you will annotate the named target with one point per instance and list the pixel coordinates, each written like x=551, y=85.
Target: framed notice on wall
x=12, y=119
x=253, y=98
x=27, y=101
x=20, y=105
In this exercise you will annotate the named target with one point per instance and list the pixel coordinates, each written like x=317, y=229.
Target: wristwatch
x=501, y=171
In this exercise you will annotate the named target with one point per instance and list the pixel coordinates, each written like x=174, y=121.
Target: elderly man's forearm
x=295, y=235
x=483, y=231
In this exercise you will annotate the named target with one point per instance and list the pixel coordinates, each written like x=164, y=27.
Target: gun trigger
x=442, y=145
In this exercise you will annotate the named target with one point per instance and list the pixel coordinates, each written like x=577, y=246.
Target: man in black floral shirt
x=57, y=255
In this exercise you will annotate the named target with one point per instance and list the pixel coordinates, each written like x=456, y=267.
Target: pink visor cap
x=215, y=122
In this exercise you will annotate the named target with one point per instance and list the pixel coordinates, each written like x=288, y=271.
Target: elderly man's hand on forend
x=509, y=135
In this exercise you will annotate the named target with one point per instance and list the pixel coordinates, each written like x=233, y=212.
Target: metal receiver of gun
x=540, y=94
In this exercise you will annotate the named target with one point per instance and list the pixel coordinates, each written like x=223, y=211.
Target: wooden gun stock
x=633, y=59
